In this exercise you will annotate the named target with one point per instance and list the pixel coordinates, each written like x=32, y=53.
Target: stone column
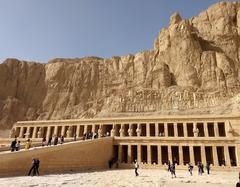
x=39, y=133
x=226, y=156
x=78, y=131
x=34, y=132
x=130, y=130
x=129, y=159
x=21, y=132
x=191, y=154
x=165, y=129
x=216, y=129
x=119, y=153
x=181, y=155
x=148, y=129
x=159, y=155
x=113, y=131
x=185, y=134
x=138, y=130
x=93, y=128
x=203, y=155
x=175, y=129
x=63, y=130
x=215, y=157
x=206, y=134
x=156, y=130
x=121, y=131
x=100, y=132
x=139, y=158
x=149, y=159
x=48, y=132
x=69, y=132
x=27, y=133
x=170, y=153
x=195, y=130
x=85, y=129
x=55, y=130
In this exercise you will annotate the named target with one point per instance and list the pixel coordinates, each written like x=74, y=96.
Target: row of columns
x=181, y=157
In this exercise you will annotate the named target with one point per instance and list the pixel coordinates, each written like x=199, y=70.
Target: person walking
x=173, y=170
x=13, y=145
x=208, y=168
x=136, y=166
x=62, y=140
x=32, y=170
x=190, y=168
x=37, y=164
x=169, y=166
x=55, y=141
x=43, y=141
x=49, y=141
x=199, y=165
x=18, y=146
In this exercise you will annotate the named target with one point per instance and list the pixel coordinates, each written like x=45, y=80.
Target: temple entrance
x=143, y=129
x=134, y=129
x=144, y=154
x=124, y=153
x=209, y=155
x=201, y=129
x=186, y=156
x=161, y=129
x=154, y=154
x=152, y=129
x=164, y=152
x=170, y=129
x=232, y=155
x=221, y=129
x=106, y=129
x=175, y=154
x=115, y=152
x=180, y=130
x=210, y=127
x=220, y=155
x=190, y=129
x=197, y=154
x=134, y=153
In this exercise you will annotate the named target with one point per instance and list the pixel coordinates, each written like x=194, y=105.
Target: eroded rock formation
x=194, y=68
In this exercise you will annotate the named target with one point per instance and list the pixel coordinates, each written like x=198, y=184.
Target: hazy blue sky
x=40, y=30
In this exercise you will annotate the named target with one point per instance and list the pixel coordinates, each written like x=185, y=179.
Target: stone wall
x=70, y=157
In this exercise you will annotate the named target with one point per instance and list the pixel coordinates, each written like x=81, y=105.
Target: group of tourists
x=55, y=140
x=16, y=145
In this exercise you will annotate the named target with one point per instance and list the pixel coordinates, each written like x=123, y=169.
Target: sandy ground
x=147, y=178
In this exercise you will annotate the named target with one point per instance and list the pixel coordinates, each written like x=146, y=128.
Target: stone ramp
x=69, y=157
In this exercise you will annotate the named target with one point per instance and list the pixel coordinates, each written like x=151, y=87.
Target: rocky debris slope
x=194, y=67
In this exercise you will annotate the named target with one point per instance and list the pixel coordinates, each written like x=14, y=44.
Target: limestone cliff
x=194, y=68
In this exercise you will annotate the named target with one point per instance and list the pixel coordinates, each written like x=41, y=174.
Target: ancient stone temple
x=152, y=140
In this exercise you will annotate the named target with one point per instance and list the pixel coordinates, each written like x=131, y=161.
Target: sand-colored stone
x=194, y=68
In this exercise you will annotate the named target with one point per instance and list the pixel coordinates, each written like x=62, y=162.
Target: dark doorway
x=175, y=154
x=134, y=153
x=201, y=129
x=190, y=129
x=164, y=152
x=210, y=127
x=170, y=129
x=143, y=129
x=186, y=156
x=232, y=154
x=197, y=154
x=180, y=129
x=221, y=129
x=124, y=153
x=154, y=155
x=144, y=153
x=209, y=154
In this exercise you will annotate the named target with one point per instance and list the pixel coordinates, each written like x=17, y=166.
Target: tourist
x=199, y=165
x=208, y=168
x=136, y=166
x=55, y=140
x=43, y=141
x=62, y=140
x=173, y=170
x=37, y=164
x=49, y=141
x=190, y=168
x=169, y=165
x=13, y=145
x=32, y=171
x=28, y=144
x=18, y=146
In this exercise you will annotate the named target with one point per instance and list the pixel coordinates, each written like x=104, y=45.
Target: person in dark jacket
x=13, y=145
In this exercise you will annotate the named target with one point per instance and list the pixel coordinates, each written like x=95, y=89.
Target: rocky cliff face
x=194, y=68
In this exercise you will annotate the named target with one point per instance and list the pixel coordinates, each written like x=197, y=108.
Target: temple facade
x=152, y=140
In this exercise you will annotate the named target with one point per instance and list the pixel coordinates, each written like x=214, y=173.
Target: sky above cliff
x=42, y=30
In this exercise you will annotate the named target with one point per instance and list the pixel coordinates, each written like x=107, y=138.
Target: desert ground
x=126, y=177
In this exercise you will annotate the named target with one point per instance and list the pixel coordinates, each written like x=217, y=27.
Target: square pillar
x=191, y=154
x=215, y=157
x=34, y=135
x=149, y=154
x=27, y=133
x=139, y=158
x=138, y=130
x=206, y=134
x=148, y=129
x=159, y=155
x=93, y=128
x=48, y=132
x=78, y=131
x=216, y=129
x=175, y=130
x=170, y=153
x=156, y=130
x=55, y=130
x=165, y=130
x=21, y=132
x=180, y=155
x=185, y=134
x=85, y=129
x=226, y=156
x=121, y=131
x=203, y=155
x=129, y=158
x=119, y=154
x=130, y=130
x=63, y=129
